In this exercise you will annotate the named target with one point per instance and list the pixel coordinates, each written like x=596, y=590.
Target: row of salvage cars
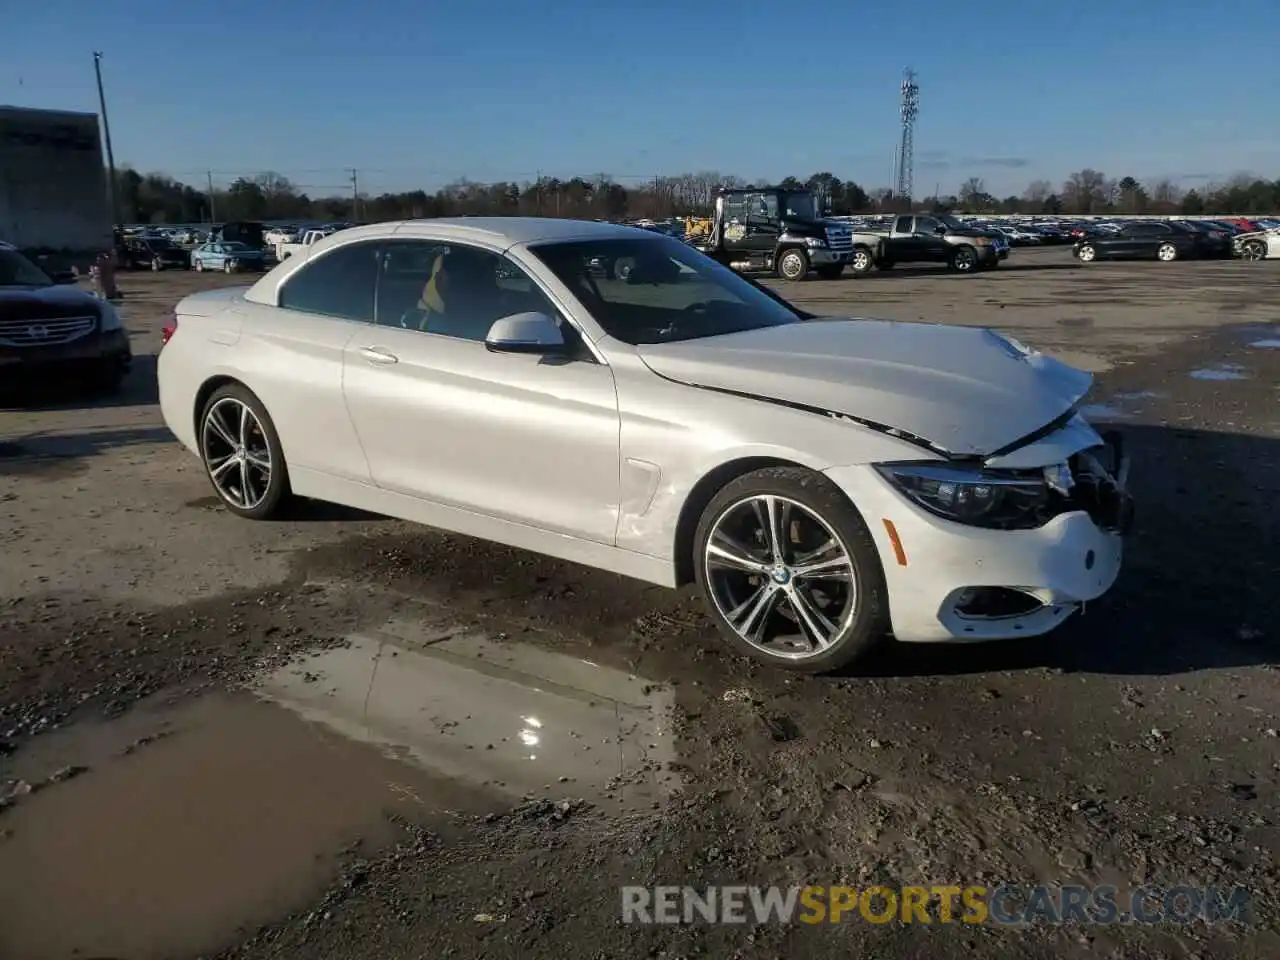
x=1170, y=240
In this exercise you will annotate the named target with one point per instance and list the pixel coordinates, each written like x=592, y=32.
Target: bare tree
x=972, y=192
x=1037, y=192
x=1085, y=190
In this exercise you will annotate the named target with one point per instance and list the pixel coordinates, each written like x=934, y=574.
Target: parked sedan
x=228, y=257
x=1139, y=240
x=141, y=252
x=824, y=481
x=53, y=332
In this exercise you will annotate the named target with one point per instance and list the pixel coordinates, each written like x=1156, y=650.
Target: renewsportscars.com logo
x=1004, y=905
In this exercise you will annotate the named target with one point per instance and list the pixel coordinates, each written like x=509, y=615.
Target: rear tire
x=863, y=262
x=1087, y=254
x=846, y=600
x=156, y=265
x=266, y=491
x=1166, y=253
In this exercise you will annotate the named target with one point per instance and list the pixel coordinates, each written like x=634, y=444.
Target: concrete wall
x=53, y=184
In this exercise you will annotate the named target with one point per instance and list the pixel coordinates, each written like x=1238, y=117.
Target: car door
x=929, y=240
x=903, y=243
x=292, y=358
x=1136, y=240
x=519, y=437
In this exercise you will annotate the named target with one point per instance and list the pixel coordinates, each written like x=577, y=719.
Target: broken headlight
x=995, y=499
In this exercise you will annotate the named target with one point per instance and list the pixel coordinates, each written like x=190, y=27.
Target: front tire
x=790, y=572
x=1087, y=254
x=156, y=265
x=198, y=266
x=242, y=454
x=964, y=260
x=793, y=264
x=1166, y=253
x=1254, y=250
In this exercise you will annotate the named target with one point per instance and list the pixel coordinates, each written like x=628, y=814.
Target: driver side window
x=451, y=289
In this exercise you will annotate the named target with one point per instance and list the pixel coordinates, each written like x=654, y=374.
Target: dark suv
x=151, y=253
x=53, y=333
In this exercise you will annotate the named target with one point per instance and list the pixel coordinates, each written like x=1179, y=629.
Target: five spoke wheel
x=780, y=576
x=237, y=453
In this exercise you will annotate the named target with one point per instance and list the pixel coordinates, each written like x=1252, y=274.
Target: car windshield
x=799, y=206
x=17, y=271
x=659, y=290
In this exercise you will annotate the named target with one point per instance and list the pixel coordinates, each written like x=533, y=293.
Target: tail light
x=168, y=330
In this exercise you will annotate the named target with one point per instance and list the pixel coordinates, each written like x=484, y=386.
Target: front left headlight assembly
x=994, y=499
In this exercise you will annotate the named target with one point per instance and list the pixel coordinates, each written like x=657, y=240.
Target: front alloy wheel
x=1254, y=250
x=1087, y=253
x=241, y=453
x=964, y=260
x=1167, y=253
x=790, y=571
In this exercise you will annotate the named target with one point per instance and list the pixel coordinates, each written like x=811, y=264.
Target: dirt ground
x=342, y=736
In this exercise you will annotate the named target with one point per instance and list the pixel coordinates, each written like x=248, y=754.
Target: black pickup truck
x=938, y=238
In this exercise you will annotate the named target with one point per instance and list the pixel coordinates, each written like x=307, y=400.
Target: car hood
x=966, y=390
x=40, y=302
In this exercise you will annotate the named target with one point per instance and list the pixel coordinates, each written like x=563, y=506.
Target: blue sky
x=420, y=93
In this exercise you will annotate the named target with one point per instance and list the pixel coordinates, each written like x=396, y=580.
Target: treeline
x=158, y=198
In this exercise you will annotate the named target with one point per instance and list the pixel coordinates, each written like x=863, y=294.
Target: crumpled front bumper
x=951, y=582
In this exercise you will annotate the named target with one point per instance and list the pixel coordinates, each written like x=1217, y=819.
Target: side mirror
x=525, y=333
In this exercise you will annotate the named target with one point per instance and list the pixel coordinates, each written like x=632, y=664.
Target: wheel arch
x=701, y=494
x=205, y=392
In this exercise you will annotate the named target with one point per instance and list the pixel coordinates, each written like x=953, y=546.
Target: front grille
x=44, y=333
x=840, y=239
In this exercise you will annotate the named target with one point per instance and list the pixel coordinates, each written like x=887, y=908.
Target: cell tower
x=906, y=150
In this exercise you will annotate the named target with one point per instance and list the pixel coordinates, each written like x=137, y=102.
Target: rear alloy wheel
x=242, y=454
x=198, y=266
x=228, y=267
x=1167, y=253
x=156, y=265
x=964, y=260
x=1254, y=250
x=793, y=264
x=790, y=572
x=1088, y=253
x=863, y=262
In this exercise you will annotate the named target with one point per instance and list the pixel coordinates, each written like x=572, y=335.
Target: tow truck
x=773, y=229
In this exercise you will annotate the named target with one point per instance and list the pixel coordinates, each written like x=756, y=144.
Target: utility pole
x=213, y=211
x=106, y=136
x=355, y=193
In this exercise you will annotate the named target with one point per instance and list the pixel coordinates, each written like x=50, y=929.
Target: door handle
x=378, y=355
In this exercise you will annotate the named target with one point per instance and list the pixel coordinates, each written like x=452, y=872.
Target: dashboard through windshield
x=659, y=290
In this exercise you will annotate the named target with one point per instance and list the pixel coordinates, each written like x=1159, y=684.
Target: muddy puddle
x=171, y=829
x=1121, y=406
x=1220, y=372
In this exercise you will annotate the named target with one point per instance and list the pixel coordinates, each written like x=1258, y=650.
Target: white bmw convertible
x=612, y=397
